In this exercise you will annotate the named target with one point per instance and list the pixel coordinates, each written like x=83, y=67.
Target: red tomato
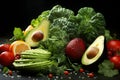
x=4, y=47
x=116, y=61
x=113, y=47
x=66, y=72
x=81, y=70
x=10, y=72
x=6, y=58
x=91, y=75
x=50, y=75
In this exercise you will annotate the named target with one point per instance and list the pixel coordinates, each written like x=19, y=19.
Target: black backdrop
x=19, y=13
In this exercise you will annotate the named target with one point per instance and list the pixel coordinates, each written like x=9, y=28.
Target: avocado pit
x=92, y=53
x=37, y=36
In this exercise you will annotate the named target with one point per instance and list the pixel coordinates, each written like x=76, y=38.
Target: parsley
x=17, y=34
x=107, y=69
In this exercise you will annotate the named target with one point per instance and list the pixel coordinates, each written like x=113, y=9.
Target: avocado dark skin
x=94, y=67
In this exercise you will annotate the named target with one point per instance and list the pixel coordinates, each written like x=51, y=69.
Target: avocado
x=38, y=33
x=94, y=53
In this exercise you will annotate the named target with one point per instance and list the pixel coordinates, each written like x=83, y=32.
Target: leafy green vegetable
x=58, y=11
x=42, y=67
x=57, y=70
x=36, y=54
x=107, y=69
x=92, y=24
x=17, y=34
x=108, y=35
x=65, y=25
x=36, y=60
x=61, y=30
x=5, y=69
x=37, y=21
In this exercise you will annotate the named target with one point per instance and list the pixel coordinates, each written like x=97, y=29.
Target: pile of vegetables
x=53, y=55
x=35, y=60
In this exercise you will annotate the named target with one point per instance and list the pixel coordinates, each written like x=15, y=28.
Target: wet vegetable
x=116, y=61
x=6, y=58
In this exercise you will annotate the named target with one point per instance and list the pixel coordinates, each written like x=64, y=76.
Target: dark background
x=19, y=13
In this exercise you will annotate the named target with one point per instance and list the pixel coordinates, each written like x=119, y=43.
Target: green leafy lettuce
x=17, y=34
x=37, y=21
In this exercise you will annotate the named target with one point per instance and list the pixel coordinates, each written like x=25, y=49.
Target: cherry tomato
x=66, y=72
x=82, y=70
x=4, y=47
x=91, y=75
x=113, y=45
x=17, y=56
x=6, y=58
x=10, y=72
x=50, y=75
x=116, y=61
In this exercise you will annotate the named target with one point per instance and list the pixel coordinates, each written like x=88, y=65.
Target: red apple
x=75, y=48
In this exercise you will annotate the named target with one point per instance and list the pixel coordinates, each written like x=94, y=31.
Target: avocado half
x=94, y=54
x=43, y=27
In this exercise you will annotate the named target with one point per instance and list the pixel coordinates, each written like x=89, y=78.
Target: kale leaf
x=92, y=24
x=58, y=11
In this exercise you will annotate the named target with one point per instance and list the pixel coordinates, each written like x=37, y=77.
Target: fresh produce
x=91, y=75
x=18, y=34
x=107, y=69
x=94, y=52
x=86, y=24
x=66, y=72
x=113, y=47
x=39, y=33
x=81, y=70
x=6, y=58
x=116, y=61
x=75, y=48
x=113, y=50
x=35, y=60
x=58, y=36
x=4, y=47
x=92, y=24
x=36, y=22
x=50, y=75
x=35, y=54
x=37, y=36
x=29, y=28
x=19, y=46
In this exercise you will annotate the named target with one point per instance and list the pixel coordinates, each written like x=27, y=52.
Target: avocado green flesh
x=44, y=27
x=98, y=43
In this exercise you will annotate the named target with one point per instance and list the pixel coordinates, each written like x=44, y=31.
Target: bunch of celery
x=35, y=60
